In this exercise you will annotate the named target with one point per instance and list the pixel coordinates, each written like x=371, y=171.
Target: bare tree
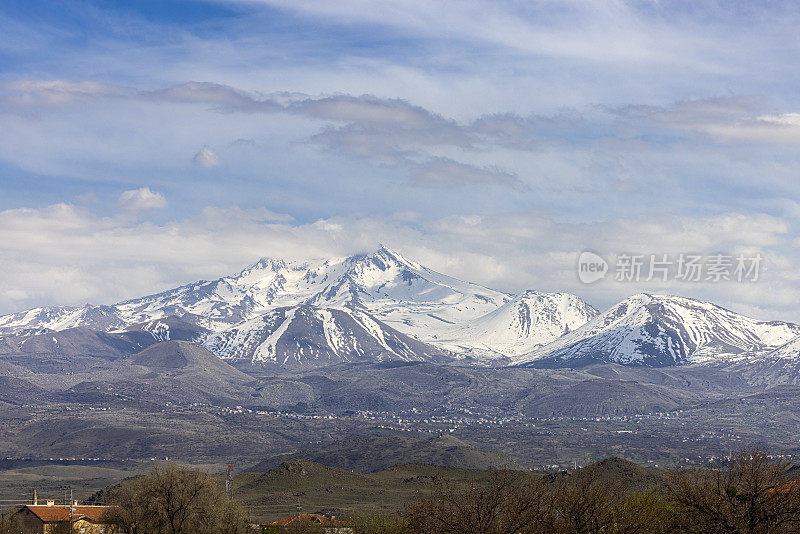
x=753, y=494
x=506, y=504
x=583, y=502
x=176, y=500
x=9, y=524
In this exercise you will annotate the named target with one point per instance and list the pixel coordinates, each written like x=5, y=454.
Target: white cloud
x=208, y=158
x=202, y=92
x=575, y=147
x=65, y=255
x=439, y=171
x=218, y=216
x=367, y=109
x=731, y=120
x=543, y=97
x=788, y=119
x=31, y=92
x=607, y=32
x=141, y=199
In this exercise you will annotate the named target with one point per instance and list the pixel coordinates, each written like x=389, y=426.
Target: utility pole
x=229, y=481
x=298, y=507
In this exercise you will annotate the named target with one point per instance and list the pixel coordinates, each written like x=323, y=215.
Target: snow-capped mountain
x=654, y=331
x=787, y=351
x=61, y=318
x=310, y=335
x=366, y=295
x=528, y=321
x=774, y=368
x=380, y=281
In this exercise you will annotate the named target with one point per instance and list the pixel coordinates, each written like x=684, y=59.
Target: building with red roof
x=326, y=524
x=55, y=519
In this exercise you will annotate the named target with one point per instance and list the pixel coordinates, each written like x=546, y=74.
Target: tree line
x=751, y=494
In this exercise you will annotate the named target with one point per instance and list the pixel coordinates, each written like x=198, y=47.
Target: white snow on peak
x=381, y=291
x=649, y=329
x=530, y=320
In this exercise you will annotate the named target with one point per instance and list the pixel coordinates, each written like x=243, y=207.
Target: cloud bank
x=67, y=254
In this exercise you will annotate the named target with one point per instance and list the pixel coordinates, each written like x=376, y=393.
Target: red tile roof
x=48, y=514
x=786, y=487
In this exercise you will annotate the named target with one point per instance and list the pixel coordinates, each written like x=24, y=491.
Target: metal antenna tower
x=69, y=503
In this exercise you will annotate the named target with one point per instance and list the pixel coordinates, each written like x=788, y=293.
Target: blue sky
x=146, y=144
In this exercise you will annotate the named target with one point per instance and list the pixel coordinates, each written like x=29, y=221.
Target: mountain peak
x=659, y=330
x=374, y=305
x=264, y=264
x=531, y=319
x=384, y=255
x=384, y=249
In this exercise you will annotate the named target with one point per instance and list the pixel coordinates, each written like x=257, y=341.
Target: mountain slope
x=403, y=293
x=62, y=317
x=662, y=330
x=18, y=391
x=311, y=336
x=406, y=295
x=388, y=285
x=171, y=371
x=599, y=397
x=777, y=367
x=528, y=321
x=81, y=341
x=172, y=328
x=72, y=350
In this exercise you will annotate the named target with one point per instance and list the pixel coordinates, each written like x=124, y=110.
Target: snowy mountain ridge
x=349, y=307
x=655, y=330
x=381, y=306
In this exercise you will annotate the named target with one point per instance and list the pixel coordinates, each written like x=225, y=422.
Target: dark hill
x=338, y=491
x=632, y=476
x=172, y=328
x=599, y=397
x=82, y=341
x=367, y=455
x=183, y=357
x=72, y=350
x=18, y=391
x=183, y=372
